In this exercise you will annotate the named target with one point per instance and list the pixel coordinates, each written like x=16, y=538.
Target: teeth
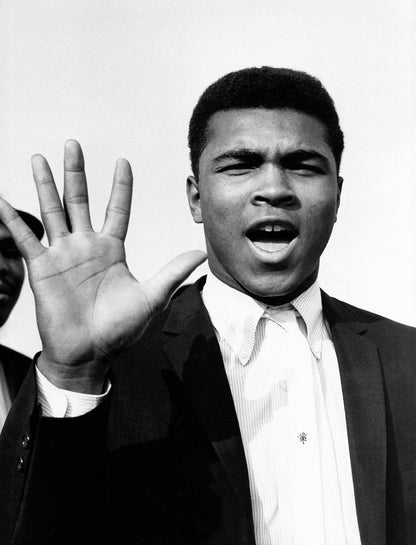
x=270, y=228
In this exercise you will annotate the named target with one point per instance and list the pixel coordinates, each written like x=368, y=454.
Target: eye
x=305, y=169
x=237, y=169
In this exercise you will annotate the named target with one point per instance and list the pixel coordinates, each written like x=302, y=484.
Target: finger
x=118, y=210
x=75, y=188
x=161, y=287
x=52, y=213
x=26, y=241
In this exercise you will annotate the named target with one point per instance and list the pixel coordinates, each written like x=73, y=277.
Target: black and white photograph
x=208, y=272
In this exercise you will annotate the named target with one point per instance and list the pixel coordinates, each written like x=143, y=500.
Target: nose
x=273, y=187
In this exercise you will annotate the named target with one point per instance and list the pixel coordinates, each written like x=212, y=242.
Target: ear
x=340, y=181
x=194, y=200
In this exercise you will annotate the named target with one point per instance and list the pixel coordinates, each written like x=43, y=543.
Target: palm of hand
x=88, y=305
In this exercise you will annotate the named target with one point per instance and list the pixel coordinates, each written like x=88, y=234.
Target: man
x=253, y=410
x=13, y=366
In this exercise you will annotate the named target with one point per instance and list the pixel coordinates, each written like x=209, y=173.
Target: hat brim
x=33, y=223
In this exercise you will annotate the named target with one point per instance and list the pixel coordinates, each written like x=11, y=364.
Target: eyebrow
x=307, y=155
x=297, y=155
x=238, y=155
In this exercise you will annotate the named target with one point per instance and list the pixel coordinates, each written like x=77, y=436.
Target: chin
x=277, y=285
x=270, y=286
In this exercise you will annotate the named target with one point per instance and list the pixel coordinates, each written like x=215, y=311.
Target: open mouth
x=272, y=238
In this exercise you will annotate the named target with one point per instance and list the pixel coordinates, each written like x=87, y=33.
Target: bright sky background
x=122, y=76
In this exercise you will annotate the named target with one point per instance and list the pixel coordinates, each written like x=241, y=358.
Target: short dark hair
x=265, y=87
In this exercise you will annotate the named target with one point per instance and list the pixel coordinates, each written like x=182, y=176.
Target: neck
x=277, y=300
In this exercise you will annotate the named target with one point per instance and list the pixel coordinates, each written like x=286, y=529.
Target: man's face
x=11, y=274
x=267, y=194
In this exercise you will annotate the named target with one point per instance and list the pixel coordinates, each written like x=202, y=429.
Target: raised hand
x=88, y=304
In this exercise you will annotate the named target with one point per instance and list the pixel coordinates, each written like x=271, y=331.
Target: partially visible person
x=13, y=365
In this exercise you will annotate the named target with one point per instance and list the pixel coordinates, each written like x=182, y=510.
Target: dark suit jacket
x=15, y=367
x=162, y=461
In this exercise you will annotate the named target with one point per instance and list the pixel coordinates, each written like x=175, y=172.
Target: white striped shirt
x=284, y=378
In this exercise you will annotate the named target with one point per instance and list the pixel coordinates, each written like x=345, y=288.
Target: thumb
x=161, y=287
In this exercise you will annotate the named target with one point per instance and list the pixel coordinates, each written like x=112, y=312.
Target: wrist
x=87, y=378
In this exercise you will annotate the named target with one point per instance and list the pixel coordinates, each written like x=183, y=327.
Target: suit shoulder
x=184, y=305
x=376, y=323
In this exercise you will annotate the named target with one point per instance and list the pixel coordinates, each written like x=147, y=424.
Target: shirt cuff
x=61, y=403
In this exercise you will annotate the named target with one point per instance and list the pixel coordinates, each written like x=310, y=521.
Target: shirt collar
x=309, y=306
x=235, y=316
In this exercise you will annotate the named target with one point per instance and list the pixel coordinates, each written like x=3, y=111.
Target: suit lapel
x=193, y=351
x=363, y=391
